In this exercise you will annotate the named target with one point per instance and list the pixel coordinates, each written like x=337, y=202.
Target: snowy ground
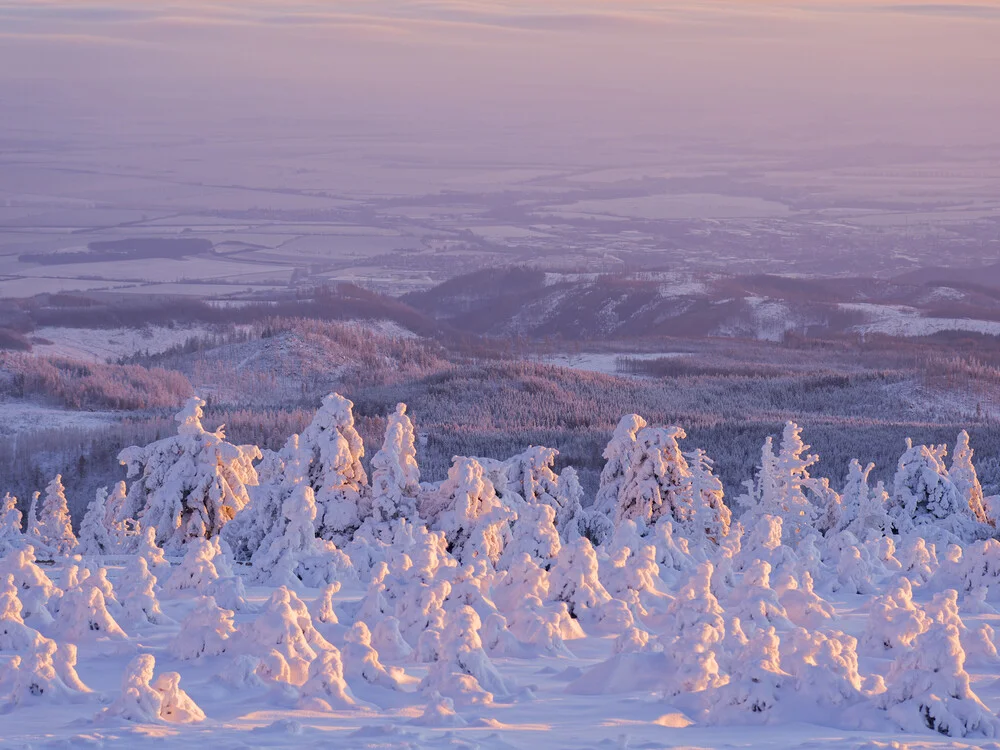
x=549, y=717
x=103, y=344
x=20, y=416
x=899, y=320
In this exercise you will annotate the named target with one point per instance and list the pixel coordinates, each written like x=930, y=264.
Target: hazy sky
x=746, y=71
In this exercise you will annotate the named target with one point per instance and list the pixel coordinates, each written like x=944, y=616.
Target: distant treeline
x=136, y=248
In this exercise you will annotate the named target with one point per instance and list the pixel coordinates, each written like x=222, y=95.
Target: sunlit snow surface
x=553, y=718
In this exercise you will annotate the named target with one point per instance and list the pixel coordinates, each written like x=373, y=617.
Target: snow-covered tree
x=395, y=474
x=925, y=498
x=618, y=459
x=570, y=516
x=123, y=531
x=190, y=485
x=963, y=474
x=466, y=508
x=784, y=488
x=530, y=475
x=291, y=553
x=709, y=515
x=55, y=530
x=657, y=481
x=149, y=702
x=11, y=536
x=206, y=631
x=534, y=533
x=329, y=453
x=928, y=688
x=574, y=578
x=95, y=536
x=137, y=594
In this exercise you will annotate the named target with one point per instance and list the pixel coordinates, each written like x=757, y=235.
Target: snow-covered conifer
x=926, y=500
x=388, y=640
x=328, y=454
x=324, y=611
x=361, y=660
x=755, y=684
x=188, y=486
x=709, y=515
x=463, y=671
x=534, y=533
x=657, y=482
x=325, y=686
x=894, y=621
x=83, y=615
x=14, y=634
x=292, y=537
x=574, y=578
x=755, y=602
x=147, y=549
x=122, y=530
x=853, y=499
x=55, y=529
x=618, y=460
x=395, y=474
x=95, y=536
x=466, y=508
x=35, y=589
x=36, y=679
x=143, y=700
x=784, y=488
x=279, y=627
x=802, y=604
x=963, y=474
x=196, y=571
x=570, y=515
x=137, y=594
x=928, y=688
x=11, y=536
x=206, y=631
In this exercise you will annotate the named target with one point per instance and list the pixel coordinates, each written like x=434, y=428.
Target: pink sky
x=774, y=70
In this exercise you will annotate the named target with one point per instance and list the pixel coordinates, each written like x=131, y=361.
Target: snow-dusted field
x=899, y=320
x=103, y=344
x=303, y=605
x=562, y=702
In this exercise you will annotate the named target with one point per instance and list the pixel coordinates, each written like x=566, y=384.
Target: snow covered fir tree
x=220, y=583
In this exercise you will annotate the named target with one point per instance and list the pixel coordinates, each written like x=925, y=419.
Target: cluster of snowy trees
x=502, y=559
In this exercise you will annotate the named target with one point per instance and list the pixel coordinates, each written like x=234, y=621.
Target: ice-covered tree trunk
x=190, y=485
x=55, y=529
